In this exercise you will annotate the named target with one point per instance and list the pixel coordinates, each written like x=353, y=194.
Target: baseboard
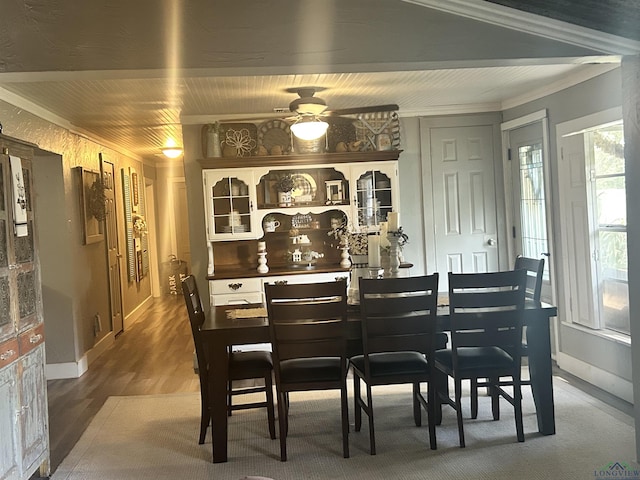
x=137, y=312
x=56, y=371
x=602, y=379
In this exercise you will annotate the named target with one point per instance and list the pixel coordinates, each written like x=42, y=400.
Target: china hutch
x=24, y=432
x=354, y=189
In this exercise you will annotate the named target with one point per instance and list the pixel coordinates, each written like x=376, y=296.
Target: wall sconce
x=309, y=128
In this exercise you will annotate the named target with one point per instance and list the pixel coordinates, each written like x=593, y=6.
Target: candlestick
x=392, y=219
x=344, y=256
x=262, y=262
x=373, y=250
x=394, y=261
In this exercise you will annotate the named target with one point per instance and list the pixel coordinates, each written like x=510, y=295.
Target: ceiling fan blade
x=356, y=110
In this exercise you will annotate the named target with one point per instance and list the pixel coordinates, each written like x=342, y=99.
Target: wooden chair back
x=535, y=269
x=399, y=314
x=307, y=320
x=486, y=310
x=196, y=319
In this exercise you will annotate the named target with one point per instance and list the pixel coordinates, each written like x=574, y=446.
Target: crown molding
x=535, y=25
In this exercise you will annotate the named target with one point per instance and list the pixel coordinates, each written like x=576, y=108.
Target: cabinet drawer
x=308, y=278
x=240, y=285
x=237, y=298
x=31, y=339
x=8, y=352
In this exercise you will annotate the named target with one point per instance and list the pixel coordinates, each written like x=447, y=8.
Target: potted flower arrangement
x=285, y=185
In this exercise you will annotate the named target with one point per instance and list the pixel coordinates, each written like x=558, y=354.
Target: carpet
x=155, y=437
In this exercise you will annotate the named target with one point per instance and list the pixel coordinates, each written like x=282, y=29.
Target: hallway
x=155, y=355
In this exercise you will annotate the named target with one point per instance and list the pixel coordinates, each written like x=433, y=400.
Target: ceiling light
x=172, y=152
x=309, y=129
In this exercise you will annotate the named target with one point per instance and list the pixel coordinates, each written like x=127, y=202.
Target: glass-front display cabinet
x=229, y=202
x=375, y=194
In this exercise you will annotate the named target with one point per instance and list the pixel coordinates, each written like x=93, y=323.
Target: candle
x=392, y=218
x=373, y=251
x=384, y=229
x=262, y=246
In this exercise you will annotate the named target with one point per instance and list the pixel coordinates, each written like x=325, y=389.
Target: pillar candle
x=262, y=246
x=384, y=229
x=392, y=219
x=373, y=250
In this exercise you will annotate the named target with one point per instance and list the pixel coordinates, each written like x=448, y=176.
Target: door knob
x=491, y=242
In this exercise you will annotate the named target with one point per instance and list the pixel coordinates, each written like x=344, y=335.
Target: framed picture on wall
x=92, y=205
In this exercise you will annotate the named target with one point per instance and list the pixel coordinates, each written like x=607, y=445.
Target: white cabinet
x=230, y=200
x=9, y=411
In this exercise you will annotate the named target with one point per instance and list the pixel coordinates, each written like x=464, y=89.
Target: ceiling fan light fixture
x=309, y=129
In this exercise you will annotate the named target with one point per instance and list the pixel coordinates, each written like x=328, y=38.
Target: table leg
x=218, y=377
x=540, y=371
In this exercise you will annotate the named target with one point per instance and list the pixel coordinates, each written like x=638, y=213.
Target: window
x=604, y=148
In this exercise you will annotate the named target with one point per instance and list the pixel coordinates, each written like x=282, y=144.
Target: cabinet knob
x=35, y=338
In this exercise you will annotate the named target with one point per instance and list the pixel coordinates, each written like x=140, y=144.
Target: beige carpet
x=155, y=437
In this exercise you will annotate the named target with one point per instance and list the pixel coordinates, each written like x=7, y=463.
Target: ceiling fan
x=309, y=110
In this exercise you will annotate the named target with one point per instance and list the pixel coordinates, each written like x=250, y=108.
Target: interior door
x=180, y=217
x=529, y=216
x=113, y=252
x=462, y=162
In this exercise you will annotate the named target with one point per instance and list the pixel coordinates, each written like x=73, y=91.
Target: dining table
x=220, y=333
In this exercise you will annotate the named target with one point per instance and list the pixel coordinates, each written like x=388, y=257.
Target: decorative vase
x=213, y=144
x=284, y=199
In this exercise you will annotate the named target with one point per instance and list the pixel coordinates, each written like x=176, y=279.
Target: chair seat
x=244, y=365
x=317, y=369
x=393, y=363
x=475, y=358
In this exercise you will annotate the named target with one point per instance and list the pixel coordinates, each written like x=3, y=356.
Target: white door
x=180, y=217
x=464, y=200
x=528, y=190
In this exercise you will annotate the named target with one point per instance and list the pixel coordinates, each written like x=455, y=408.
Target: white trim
x=130, y=319
x=522, y=121
x=535, y=25
x=608, y=382
x=589, y=122
x=55, y=371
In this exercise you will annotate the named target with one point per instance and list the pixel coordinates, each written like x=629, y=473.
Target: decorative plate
x=305, y=187
x=275, y=132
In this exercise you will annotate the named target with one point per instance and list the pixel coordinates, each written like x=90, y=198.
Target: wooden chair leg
x=268, y=384
x=344, y=401
x=282, y=425
x=369, y=412
x=417, y=408
x=431, y=415
x=517, y=397
x=356, y=402
x=495, y=398
x=474, y=398
x=205, y=420
x=229, y=397
x=458, y=407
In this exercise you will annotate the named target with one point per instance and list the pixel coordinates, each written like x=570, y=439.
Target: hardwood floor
x=154, y=355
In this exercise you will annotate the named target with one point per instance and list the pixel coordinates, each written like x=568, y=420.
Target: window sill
x=605, y=334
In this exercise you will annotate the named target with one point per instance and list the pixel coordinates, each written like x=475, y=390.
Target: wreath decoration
x=97, y=200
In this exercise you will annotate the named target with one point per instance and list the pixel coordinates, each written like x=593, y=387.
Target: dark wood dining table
x=220, y=332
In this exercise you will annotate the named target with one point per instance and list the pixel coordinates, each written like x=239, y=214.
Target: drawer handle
x=281, y=282
x=339, y=279
x=35, y=338
x=8, y=354
x=235, y=286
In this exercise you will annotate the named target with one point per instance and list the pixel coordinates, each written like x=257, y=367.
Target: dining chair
x=242, y=366
x=307, y=323
x=398, y=340
x=535, y=269
x=486, y=315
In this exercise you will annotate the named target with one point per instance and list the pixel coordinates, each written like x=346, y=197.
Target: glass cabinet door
x=375, y=195
x=230, y=203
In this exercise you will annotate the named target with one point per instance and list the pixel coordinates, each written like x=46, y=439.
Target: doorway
x=527, y=196
x=461, y=160
x=113, y=251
